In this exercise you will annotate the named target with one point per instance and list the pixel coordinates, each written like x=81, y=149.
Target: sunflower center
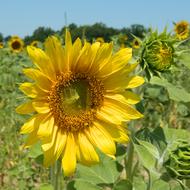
x=16, y=45
x=74, y=100
x=181, y=28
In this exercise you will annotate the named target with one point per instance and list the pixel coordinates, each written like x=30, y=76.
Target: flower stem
x=56, y=176
x=129, y=161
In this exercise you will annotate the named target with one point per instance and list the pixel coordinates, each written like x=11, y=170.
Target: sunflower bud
x=159, y=55
x=178, y=164
x=158, y=52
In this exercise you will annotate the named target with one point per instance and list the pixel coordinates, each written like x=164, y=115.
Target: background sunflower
x=16, y=44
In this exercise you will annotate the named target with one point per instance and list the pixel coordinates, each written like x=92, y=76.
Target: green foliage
x=166, y=109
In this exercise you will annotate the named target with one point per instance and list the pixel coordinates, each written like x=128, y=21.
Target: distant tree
x=138, y=30
x=28, y=40
x=41, y=33
x=1, y=37
x=100, y=30
x=7, y=38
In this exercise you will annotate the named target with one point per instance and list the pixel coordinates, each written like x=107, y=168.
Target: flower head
x=79, y=100
x=182, y=30
x=100, y=39
x=34, y=43
x=136, y=43
x=16, y=44
x=1, y=45
x=158, y=52
x=178, y=163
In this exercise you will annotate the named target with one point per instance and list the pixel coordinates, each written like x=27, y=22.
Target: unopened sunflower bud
x=158, y=52
x=178, y=163
x=159, y=55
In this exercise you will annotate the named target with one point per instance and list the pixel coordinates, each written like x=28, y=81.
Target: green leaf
x=175, y=93
x=35, y=151
x=185, y=59
x=121, y=153
x=145, y=157
x=139, y=184
x=46, y=187
x=123, y=185
x=106, y=172
x=160, y=184
x=172, y=135
x=151, y=148
x=80, y=184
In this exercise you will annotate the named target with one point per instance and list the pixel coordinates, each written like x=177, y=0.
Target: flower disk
x=80, y=99
x=182, y=30
x=16, y=44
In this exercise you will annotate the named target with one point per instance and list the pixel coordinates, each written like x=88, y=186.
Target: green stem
x=149, y=186
x=56, y=176
x=129, y=161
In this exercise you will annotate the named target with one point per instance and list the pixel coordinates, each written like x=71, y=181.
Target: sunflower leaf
x=80, y=184
x=106, y=172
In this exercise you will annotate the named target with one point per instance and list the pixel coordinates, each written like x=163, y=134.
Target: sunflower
x=100, y=39
x=1, y=45
x=136, y=43
x=182, y=30
x=34, y=43
x=16, y=44
x=79, y=100
x=122, y=46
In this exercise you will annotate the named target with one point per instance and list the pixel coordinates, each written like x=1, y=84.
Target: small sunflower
x=122, y=46
x=79, y=100
x=16, y=44
x=1, y=45
x=122, y=38
x=136, y=43
x=182, y=30
x=100, y=39
x=34, y=43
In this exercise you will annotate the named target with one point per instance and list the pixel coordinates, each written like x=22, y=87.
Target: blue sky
x=22, y=17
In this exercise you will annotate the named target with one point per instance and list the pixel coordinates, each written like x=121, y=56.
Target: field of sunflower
x=96, y=115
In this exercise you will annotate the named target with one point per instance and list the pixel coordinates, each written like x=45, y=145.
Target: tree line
x=89, y=32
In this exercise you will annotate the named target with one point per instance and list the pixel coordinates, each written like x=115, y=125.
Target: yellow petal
x=60, y=143
x=41, y=106
x=42, y=61
x=131, y=97
x=87, y=154
x=25, y=108
x=134, y=81
x=117, y=62
x=32, y=90
x=47, y=143
x=32, y=139
x=119, y=81
x=46, y=127
x=123, y=109
x=100, y=138
x=125, y=97
x=28, y=126
x=117, y=132
x=102, y=59
x=57, y=55
x=86, y=57
x=41, y=79
x=75, y=53
x=68, y=44
x=69, y=158
x=48, y=146
x=107, y=115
